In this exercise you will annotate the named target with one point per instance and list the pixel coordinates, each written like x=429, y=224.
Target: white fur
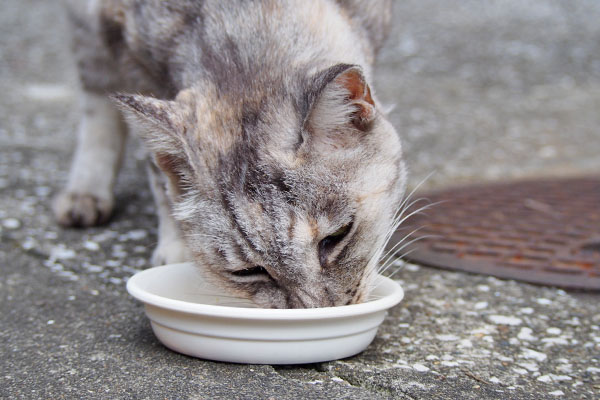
x=100, y=146
x=171, y=247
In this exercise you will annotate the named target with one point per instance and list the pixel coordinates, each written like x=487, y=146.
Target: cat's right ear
x=339, y=108
x=340, y=95
x=160, y=124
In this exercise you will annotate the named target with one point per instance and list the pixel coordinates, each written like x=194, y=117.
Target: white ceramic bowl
x=192, y=317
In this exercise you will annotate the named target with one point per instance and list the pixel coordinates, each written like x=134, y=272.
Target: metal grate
x=538, y=231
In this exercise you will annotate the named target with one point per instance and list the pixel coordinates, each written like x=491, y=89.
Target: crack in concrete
x=388, y=392
x=321, y=369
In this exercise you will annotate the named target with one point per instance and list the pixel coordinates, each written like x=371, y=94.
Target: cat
x=272, y=164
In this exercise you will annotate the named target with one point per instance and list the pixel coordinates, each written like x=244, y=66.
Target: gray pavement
x=483, y=91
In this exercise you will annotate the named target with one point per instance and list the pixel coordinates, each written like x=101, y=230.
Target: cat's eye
x=329, y=243
x=257, y=271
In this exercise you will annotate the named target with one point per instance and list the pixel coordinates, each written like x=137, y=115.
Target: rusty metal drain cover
x=538, y=231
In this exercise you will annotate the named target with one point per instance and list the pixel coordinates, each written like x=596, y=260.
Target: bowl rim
x=133, y=287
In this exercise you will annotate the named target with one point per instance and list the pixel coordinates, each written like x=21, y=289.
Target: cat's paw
x=170, y=252
x=81, y=209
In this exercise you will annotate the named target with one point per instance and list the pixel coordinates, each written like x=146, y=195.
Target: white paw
x=170, y=252
x=81, y=209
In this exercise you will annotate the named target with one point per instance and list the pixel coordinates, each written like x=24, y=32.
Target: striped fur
x=260, y=116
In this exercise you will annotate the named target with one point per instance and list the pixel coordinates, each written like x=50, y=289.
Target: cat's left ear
x=160, y=117
x=163, y=131
x=340, y=97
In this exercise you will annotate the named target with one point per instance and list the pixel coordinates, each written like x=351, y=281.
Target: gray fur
x=266, y=129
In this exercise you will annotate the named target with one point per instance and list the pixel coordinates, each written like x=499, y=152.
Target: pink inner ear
x=360, y=94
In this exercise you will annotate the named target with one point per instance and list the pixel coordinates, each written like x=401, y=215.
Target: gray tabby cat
x=273, y=166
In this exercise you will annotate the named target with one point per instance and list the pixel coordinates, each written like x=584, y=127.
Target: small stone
x=493, y=379
x=526, y=310
x=544, y=378
x=480, y=305
x=565, y=368
x=505, y=320
x=93, y=268
x=112, y=263
x=450, y=363
x=91, y=246
x=557, y=393
x=115, y=281
x=137, y=234
x=531, y=367
x=420, y=368
x=544, y=301
x=560, y=378
x=520, y=371
x=29, y=243
x=573, y=321
x=62, y=253
x=525, y=334
x=483, y=288
x=447, y=338
x=553, y=341
x=412, y=267
x=50, y=322
x=554, y=331
x=593, y=370
x=11, y=223
x=532, y=354
x=42, y=191
x=50, y=235
x=488, y=339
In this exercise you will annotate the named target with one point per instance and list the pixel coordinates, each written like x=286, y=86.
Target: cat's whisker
x=374, y=265
x=404, y=255
x=391, y=261
x=414, y=190
x=394, y=227
x=400, y=242
x=396, y=249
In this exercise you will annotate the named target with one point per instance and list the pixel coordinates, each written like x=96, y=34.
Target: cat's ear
x=160, y=119
x=160, y=124
x=340, y=97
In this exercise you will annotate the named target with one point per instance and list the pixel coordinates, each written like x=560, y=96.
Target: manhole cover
x=543, y=231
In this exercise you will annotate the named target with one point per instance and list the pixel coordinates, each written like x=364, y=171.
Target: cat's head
x=284, y=193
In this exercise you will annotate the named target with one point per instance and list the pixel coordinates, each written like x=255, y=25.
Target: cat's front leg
x=171, y=247
x=88, y=198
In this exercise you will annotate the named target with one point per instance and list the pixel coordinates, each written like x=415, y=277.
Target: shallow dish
x=192, y=317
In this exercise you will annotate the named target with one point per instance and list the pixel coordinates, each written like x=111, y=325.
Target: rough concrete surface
x=483, y=90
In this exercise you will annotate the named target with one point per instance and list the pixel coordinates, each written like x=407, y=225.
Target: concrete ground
x=483, y=91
